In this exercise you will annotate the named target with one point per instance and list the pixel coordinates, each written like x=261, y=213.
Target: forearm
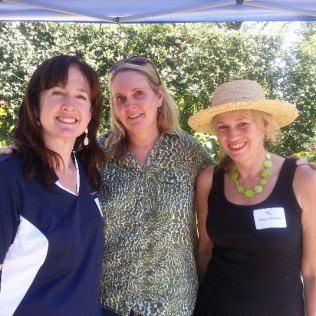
x=310, y=295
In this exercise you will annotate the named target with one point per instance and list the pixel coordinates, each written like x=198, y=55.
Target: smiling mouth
x=67, y=120
x=237, y=146
x=134, y=116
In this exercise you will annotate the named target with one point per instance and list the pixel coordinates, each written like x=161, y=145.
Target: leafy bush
x=193, y=60
x=310, y=151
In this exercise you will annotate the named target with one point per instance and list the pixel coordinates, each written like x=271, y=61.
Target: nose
x=129, y=103
x=68, y=103
x=232, y=133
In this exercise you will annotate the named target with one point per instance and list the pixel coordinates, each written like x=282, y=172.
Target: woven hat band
x=236, y=91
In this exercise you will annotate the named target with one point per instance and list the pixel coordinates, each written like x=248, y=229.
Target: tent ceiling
x=157, y=11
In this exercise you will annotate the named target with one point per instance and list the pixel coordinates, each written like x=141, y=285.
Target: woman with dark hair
x=51, y=228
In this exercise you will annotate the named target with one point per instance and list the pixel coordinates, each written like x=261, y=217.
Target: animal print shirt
x=150, y=229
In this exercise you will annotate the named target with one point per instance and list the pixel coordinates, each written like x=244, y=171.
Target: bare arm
x=205, y=245
x=305, y=189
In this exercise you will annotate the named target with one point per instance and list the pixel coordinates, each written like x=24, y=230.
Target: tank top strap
x=218, y=183
x=287, y=172
x=284, y=185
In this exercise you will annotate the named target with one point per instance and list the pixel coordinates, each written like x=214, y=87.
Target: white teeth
x=134, y=115
x=236, y=146
x=67, y=120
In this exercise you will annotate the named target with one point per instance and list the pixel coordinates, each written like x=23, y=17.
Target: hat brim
x=282, y=112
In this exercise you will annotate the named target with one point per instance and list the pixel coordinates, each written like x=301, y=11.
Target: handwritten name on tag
x=273, y=217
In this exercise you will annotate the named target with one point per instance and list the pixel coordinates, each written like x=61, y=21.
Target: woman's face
x=135, y=103
x=239, y=134
x=65, y=111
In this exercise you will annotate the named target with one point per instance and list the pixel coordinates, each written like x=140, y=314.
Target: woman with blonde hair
x=256, y=212
x=148, y=204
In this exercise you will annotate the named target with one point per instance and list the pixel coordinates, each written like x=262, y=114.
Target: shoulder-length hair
x=167, y=117
x=38, y=160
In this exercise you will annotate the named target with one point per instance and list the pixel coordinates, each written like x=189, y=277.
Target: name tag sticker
x=273, y=217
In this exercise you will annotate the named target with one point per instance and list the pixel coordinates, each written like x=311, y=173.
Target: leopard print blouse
x=150, y=229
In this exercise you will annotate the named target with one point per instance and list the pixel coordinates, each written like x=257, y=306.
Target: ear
x=262, y=125
x=37, y=118
x=160, y=98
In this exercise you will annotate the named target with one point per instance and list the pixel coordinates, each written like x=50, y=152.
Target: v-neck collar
x=77, y=179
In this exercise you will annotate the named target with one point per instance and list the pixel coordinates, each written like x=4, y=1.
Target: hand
x=8, y=150
x=302, y=161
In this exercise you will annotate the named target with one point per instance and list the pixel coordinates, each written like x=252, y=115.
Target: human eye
x=139, y=93
x=56, y=91
x=243, y=124
x=83, y=97
x=222, y=127
x=119, y=100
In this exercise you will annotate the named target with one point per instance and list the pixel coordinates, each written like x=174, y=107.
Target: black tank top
x=256, y=260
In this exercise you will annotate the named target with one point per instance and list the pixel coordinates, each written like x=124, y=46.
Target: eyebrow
x=63, y=87
x=83, y=90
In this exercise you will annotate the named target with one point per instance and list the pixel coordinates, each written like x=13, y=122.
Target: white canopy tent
x=158, y=11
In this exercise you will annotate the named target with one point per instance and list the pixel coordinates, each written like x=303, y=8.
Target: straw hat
x=242, y=95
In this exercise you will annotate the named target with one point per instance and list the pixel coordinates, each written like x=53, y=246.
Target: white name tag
x=273, y=217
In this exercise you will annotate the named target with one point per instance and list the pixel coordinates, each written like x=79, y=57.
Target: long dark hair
x=38, y=160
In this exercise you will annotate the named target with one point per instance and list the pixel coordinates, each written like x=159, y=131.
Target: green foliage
x=210, y=143
x=193, y=59
x=309, y=151
x=298, y=84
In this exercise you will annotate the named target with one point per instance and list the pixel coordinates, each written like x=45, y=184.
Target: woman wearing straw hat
x=256, y=212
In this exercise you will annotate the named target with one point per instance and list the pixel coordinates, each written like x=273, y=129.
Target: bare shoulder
x=305, y=186
x=205, y=178
x=304, y=176
x=206, y=173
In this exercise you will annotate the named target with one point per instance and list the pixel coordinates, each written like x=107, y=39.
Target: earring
x=86, y=139
x=38, y=123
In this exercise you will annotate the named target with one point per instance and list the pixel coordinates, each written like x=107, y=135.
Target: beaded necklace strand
x=258, y=188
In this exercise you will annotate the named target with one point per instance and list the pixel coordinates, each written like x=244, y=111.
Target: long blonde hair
x=167, y=117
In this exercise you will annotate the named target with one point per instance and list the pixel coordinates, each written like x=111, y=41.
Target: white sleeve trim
x=24, y=258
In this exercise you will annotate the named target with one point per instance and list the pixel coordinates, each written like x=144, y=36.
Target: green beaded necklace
x=258, y=188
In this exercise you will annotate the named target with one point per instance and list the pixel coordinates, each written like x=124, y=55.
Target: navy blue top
x=51, y=246
x=254, y=269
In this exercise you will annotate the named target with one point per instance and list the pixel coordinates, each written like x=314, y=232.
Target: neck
x=66, y=173
x=142, y=145
x=65, y=152
x=145, y=141
x=66, y=165
x=250, y=168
